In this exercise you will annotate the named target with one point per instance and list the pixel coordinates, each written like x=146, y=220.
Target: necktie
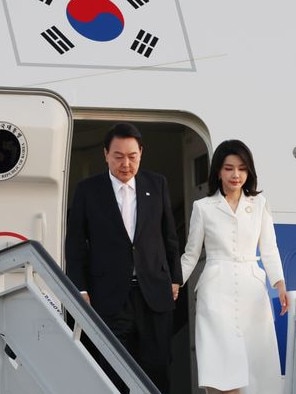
x=126, y=208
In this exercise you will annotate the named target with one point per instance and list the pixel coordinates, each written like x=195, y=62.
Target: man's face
x=123, y=158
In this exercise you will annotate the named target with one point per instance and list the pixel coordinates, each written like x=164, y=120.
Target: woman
x=236, y=344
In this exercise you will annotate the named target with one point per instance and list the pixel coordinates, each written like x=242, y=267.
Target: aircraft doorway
x=176, y=145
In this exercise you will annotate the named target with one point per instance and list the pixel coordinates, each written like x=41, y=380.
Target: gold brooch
x=248, y=209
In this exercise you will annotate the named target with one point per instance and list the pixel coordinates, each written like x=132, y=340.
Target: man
x=129, y=272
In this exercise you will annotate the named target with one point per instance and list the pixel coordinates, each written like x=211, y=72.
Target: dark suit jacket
x=100, y=257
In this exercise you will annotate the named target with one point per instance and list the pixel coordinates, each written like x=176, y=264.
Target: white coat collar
x=245, y=204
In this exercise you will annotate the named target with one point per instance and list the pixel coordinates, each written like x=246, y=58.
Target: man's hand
x=85, y=296
x=175, y=289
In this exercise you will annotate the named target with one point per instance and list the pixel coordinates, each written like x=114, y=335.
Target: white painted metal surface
x=39, y=353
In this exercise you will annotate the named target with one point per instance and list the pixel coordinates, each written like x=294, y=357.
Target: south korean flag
x=98, y=34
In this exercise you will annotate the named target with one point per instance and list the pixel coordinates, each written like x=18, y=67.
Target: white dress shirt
x=117, y=187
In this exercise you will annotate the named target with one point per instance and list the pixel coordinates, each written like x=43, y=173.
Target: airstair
x=39, y=352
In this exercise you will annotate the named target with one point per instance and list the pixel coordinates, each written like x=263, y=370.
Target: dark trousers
x=146, y=335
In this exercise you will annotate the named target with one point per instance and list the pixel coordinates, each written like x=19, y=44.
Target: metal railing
x=40, y=353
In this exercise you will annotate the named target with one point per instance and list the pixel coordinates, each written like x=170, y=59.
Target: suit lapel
x=245, y=204
x=143, y=202
x=106, y=194
x=108, y=202
x=222, y=204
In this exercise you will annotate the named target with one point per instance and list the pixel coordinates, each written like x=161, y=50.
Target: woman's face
x=233, y=174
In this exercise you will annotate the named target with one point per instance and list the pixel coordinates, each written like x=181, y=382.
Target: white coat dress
x=236, y=344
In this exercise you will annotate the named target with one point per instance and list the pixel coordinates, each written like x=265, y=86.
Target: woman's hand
x=283, y=296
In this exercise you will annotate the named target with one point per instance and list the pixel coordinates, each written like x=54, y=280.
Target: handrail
x=32, y=258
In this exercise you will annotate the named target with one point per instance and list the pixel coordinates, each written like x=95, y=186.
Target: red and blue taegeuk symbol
x=98, y=20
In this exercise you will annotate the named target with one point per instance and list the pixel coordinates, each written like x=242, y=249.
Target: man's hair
x=122, y=130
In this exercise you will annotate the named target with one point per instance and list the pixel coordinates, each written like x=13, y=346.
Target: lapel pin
x=147, y=194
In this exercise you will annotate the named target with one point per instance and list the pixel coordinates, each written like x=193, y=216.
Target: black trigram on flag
x=48, y=2
x=57, y=39
x=144, y=43
x=138, y=3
